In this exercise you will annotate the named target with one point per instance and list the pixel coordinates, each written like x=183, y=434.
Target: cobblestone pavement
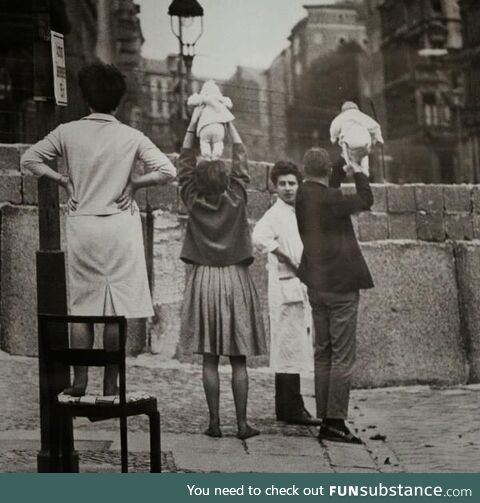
x=413, y=429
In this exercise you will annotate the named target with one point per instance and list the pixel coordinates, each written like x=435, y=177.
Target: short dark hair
x=211, y=177
x=102, y=86
x=317, y=162
x=281, y=168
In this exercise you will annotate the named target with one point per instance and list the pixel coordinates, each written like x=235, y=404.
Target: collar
x=309, y=180
x=284, y=205
x=101, y=117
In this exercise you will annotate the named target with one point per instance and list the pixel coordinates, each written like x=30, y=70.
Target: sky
x=236, y=32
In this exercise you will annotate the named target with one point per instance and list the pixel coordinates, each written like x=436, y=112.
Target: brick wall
x=419, y=324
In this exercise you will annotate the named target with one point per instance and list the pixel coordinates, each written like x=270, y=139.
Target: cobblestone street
x=413, y=429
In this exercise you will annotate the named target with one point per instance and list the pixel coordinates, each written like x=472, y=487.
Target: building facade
x=108, y=30
x=470, y=12
x=247, y=88
x=422, y=82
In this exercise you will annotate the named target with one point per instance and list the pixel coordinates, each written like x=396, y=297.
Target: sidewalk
x=414, y=429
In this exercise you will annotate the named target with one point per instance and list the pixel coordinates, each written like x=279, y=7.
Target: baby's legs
x=217, y=150
x=81, y=338
x=205, y=149
x=213, y=135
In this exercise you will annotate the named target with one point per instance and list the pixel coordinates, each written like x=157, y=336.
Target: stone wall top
x=410, y=211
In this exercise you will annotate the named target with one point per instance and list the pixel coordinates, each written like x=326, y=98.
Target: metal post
x=51, y=281
x=181, y=93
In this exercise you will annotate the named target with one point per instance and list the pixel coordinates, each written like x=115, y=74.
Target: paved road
x=414, y=429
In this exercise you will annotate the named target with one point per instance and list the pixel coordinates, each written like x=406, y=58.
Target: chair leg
x=123, y=444
x=155, y=443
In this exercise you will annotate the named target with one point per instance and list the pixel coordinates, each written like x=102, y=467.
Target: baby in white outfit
x=356, y=133
x=211, y=113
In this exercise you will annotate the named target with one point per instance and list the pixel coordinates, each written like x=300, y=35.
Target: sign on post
x=59, y=69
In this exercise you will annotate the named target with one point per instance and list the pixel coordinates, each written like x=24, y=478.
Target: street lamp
x=188, y=33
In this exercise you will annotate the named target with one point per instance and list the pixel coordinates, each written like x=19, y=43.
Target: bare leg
x=206, y=149
x=211, y=385
x=81, y=338
x=240, y=396
x=110, y=343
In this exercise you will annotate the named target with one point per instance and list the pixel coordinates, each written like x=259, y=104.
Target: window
x=430, y=109
x=436, y=6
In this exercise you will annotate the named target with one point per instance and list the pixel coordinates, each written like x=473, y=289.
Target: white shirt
x=278, y=229
x=99, y=153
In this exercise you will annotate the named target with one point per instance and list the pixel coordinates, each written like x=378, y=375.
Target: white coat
x=289, y=310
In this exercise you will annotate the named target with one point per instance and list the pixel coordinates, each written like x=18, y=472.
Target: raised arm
x=239, y=157
x=354, y=203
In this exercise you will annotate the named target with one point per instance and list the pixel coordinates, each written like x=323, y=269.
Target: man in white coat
x=291, y=352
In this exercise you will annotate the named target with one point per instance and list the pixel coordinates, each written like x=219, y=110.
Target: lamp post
x=188, y=33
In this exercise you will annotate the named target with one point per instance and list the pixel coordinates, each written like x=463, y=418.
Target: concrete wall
x=419, y=325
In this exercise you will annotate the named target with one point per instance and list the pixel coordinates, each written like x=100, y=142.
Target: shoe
x=249, y=432
x=335, y=435
x=304, y=418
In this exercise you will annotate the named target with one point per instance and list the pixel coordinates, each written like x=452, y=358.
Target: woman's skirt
x=221, y=313
x=107, y=272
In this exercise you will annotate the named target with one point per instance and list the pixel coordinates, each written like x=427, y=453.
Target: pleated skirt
x=107, y=273
x=221, y=314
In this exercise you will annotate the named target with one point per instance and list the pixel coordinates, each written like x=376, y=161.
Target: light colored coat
x=289, y=310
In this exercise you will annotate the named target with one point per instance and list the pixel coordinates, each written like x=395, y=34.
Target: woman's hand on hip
x=127, y=198
x=67, y=184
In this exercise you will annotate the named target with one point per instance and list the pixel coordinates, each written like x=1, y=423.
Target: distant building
x=419, y=39
x=470, y=11
x=322, y=31
x=247, y=88
x=108, y=30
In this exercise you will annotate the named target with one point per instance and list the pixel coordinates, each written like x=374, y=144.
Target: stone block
x=9, y=159
x=459, y=226
x=372, y=226
x=476, y=226
x=379, y=198
x=409, y=326
x=258, y=175
x=258, y=203
x=163, y=197
x=19, y=242
x=468, y=274
x=402, y=226
x=475, y=194
x=30, y=190
x=401, y=198
x=429, y=198
x=457, y=198
x=430, y=226
x=11, y=187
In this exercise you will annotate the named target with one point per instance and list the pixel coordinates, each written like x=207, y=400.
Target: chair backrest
x=56, y=356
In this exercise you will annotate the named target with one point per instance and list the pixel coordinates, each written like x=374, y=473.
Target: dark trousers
x=335, y=322
x=288, y=399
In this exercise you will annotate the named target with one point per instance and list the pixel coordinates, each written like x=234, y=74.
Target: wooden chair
x=96, y=407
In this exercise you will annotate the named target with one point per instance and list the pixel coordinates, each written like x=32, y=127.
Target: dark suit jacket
x=332, y=260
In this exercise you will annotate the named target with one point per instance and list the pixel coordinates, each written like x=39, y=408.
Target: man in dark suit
x=334, y=271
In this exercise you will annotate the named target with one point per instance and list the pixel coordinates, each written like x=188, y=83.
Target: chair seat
x=97, y=400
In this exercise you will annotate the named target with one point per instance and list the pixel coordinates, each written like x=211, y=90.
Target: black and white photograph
x=240, y=236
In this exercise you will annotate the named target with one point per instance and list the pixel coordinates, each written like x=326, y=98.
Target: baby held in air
x=211, y=113
x=356, y=133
